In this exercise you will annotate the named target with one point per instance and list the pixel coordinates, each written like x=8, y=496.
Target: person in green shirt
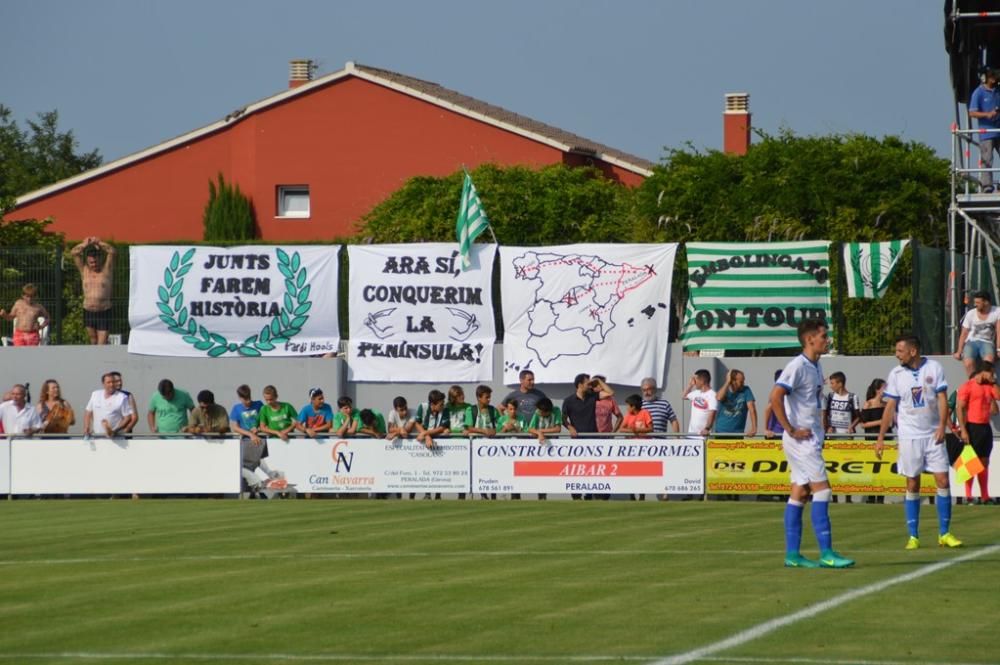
x=372, y=423
x=483, y=416
x=168, y=410
x=510, y=421
x=277, y=418
x=433, y=418
x=546, y=420
x=459, y=414
x=346, y=420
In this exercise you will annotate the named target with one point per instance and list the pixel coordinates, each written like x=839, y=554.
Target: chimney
x=736, y=123
x=300, y=72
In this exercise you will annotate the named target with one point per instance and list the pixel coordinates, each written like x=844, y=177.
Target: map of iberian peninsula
x=575, y=298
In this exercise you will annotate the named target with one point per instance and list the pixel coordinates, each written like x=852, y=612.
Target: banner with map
x=753, y=295
x=599, y=309
x=417, y=316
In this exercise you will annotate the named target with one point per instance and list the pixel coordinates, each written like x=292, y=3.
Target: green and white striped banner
x=869, y=266
x=753, y=295
x=471, y=222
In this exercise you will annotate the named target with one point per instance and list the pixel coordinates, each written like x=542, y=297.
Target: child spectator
x=433, y=418
x=460, y=418
x=168, y=409
x=31, y=317
x=316, y=416
x=484, y=416
x=637, y=420
x=244, y=417
x=547, y=419
x=606, y=411
x=510, y=421
x=372, y=423
x=843, y=409
x=401, y=420
x=209, y=417
x=56, y=413
x=345, y=421
x=277, y=418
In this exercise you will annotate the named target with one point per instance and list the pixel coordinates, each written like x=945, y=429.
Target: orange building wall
x=353, y=142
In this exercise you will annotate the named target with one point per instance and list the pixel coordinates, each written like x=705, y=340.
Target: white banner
x=578, y=466
x=371, y=465
x=600, y=309
x=417, y=316
x=125, y=466
x=233, y=301
x=4, y=466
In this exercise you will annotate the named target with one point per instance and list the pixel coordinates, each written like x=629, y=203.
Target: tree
x=228, y=214
x=36, y=157
x=552, y=205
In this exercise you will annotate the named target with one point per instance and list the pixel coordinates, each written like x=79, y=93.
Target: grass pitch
x=430, y=582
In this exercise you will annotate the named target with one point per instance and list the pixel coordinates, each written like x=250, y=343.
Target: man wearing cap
x=985, y=107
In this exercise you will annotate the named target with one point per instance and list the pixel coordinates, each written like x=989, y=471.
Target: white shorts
x=919, y=455
x=805, y=459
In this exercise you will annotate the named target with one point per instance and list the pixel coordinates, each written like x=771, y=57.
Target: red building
x=313, y=159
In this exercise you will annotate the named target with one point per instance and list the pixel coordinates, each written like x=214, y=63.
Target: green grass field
x=427, y=582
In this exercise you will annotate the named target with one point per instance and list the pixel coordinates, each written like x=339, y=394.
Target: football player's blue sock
x=912, y=507
x=821, y=519
x=793, y=526
x=943, y=504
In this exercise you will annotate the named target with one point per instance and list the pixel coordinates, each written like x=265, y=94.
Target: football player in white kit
x=796, y=401
x=917, y=390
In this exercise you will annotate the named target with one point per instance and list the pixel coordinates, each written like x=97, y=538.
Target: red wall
x=353, y=142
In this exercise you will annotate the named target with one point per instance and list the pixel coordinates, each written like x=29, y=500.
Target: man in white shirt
x=704, y=404
x=796, y=401
x=918, y=391
x=110, y=408
x=17, y=415
x=980, y=331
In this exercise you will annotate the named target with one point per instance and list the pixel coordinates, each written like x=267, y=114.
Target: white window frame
x=285, y=190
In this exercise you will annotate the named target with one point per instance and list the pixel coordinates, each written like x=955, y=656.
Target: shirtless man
x=31, y=317
x=96, y=286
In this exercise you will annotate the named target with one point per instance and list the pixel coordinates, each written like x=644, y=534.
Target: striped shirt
x=661, y=412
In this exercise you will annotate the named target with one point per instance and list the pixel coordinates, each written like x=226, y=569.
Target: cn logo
x=342, y=457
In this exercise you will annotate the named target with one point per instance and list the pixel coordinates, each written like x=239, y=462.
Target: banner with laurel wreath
x=248, y=301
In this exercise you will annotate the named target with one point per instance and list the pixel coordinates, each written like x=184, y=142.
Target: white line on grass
x=742, y=637
x=394, y=555
x=506, y=658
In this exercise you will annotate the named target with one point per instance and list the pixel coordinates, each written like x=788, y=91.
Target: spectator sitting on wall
x=31, y=317
x=401, y=420
x=56, y=413
x=980, y=332
x=168, y=409
x=277, y=418
x=97, y=281
x=659, y=409
x=372, y=423
x=316, y=417
x=209, y=417
x=736, y=402
x=345, y=420
x=17, y=414
x=134, y=417
x=527, y=395
x=109, y=407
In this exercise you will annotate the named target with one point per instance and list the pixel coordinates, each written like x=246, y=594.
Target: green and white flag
x=869, y=266
x=753, y=295
x=471, y=221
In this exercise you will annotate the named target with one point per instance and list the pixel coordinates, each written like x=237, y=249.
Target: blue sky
x=637, y=75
